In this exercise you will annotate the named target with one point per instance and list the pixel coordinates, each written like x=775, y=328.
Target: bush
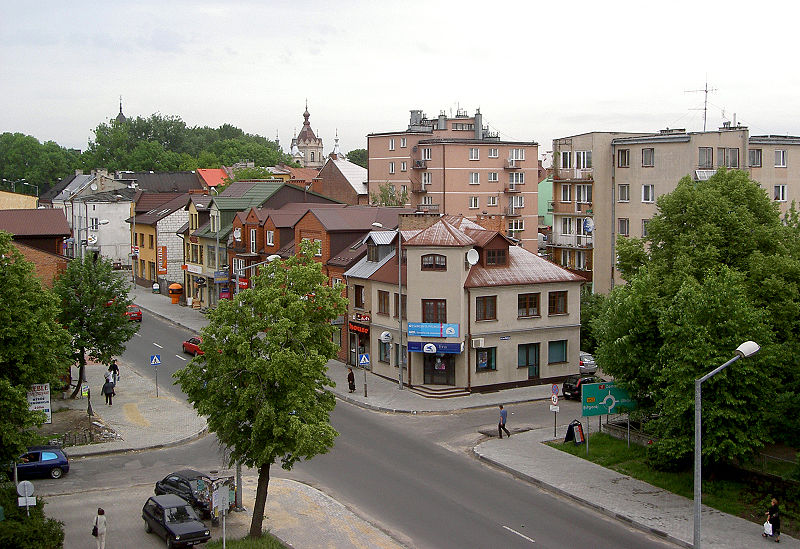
x=19, y=531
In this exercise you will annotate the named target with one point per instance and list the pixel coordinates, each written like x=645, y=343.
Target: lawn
x=729, y=496
x=267, y=541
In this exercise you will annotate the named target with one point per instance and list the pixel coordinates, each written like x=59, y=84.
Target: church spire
x=120, y=117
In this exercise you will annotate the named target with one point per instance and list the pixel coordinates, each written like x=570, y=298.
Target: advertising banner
x=432, y=329
x=39, y=399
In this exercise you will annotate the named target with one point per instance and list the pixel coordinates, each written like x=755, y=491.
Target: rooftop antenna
x=705, y=91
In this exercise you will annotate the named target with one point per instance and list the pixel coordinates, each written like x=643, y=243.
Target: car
x=192, y=346
x=42, y=461
x=172, y=518
x=571, y=387
x=191, y=485
x=134, y=313
x=586, y=363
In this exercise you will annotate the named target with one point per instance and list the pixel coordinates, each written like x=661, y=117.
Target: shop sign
x=39, y=399
x=161, y=260
x=432, y=329
x=195, y=269
x=361, y=317
x=430, y=347
x=244, y=283
x=357, y=328
x=224, y=293
x=220, y=277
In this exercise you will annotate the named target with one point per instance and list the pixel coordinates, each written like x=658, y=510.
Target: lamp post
x=32, y=185
x=78, y=233
x=745, y=350
x=14, y=183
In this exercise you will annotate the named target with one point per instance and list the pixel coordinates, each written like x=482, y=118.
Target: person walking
x=774, y=518
x=102, y=527
x=351, y=380
x=108, y=390
x=502, y=425
x=114, y=369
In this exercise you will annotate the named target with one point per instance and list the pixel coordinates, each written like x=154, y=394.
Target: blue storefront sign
x=432, y=329
x=220, y=277
x=430, y=347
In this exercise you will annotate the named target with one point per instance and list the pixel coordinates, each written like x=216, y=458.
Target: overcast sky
x=537, y=70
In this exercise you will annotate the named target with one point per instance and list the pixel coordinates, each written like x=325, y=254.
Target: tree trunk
x=81, y=374
x=261, y=501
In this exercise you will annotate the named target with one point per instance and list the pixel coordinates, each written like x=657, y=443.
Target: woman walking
x=774, y=518
x=100, y=524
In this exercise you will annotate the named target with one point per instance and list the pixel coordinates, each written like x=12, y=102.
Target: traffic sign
x=605, y=398
x=554, y=399
x=155, y=360
x=554, y=408
x=363, y=360
x=554, y=389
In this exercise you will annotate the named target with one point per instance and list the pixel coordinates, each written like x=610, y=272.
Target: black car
x=191, y=485
x=42, y=461
x=172, y=518
x=572, y=384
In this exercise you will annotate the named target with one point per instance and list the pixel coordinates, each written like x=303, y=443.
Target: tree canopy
x=358, y=156
x=262, y=380
x=40, y=164
x=388, y=195
x=718, y=267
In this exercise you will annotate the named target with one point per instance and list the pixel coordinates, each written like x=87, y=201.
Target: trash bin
x=575, y=432
x=175, y=292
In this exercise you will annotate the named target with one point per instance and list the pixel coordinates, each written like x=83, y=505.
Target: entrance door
x=439, y=369
x=528, y=355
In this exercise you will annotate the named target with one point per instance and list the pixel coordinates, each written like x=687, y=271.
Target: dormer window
x=372, y=253
x=434, y=262
x=496, y=257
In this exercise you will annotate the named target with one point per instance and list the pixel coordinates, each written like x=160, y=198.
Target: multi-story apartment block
x=456, y=166
x=606, y=185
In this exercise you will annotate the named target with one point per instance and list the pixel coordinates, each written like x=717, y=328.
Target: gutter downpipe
x=469, y=339
x=613, y=217
x=444, y=181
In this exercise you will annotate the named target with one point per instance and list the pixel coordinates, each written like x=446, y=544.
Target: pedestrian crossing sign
x=363, y=360
x=155, y=360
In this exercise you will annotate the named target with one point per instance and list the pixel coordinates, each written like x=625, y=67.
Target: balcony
x=512, y=188
x=513, y=164
x=428, y=208
x=513, y=211
x=419, y=164
x=571, y=241
x=418, y=187
x=559, y=207
x=573, y=174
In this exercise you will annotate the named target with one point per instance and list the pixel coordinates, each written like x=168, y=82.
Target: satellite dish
x=588, y=225
x=472, y=256
x=237, y=234
x=93, y=186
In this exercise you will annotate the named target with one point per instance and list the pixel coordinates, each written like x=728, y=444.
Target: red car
x=192, y=346
x=134, y=313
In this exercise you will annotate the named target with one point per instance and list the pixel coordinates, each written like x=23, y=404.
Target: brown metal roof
x=160, y=212
x=523, y=267
x=147, y=201
x=358, y=218
x=44, y=222
x=440, y=234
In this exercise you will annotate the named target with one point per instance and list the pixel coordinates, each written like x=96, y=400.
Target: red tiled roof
x=44, y=222
x=212, y=176
x=303, y=174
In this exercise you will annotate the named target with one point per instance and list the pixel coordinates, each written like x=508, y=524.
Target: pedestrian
x=100, y=524
x=351, y=380
x=114, y=369
x=108, y=390
x=774, y=518
x=502, y=425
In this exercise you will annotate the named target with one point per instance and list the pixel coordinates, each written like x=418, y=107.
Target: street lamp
x=745, y=350
x=32, y=185
x=13, y=183
x=240, y=272
x=79, y=229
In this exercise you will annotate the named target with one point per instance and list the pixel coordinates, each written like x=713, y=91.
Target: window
x=486, y=359
x=496, y=257
x=648, y=193
x=403, y=166
x=383, y=302
x=648, y=157
x=384, y=352
x=780, y=193
x=492, y=177
x=195, y=254
x=516, y=225
x=434, y=310
x=528, y=357
x=391, y=144
x=428, y=200
x=706, y=160
x=557, y=351
x=253, y=241
x=754, y=158
x=566, y=226
x=318, y=248
x=583, y=194
x=566, y=159
x=580, y=260
x=270, y=238
x=434, y=262
x=474, y=153
x=398, y=357
x=473, y=202
x=583, y=159
x=210, y=256
x=427, y=178
x=624, y=226
x=624, y=192
x=644, y=227
x=517, y=201
x=391, y=167
x=516, y=154
x=150, y=241
x=426, y=153
x=516, y=178
x=238, y=266
x=780, y=158
x=727, y=157
x=491, y=201
x=358, y=296
x=405, y=306
x=733, y=158
x=474, y=178
x=528, y=305
x=194, y=220
x=372, y=253
x=494, y=153
x=402, y=142
x=486, y=308
x=566, y=193
x=94, y=223
x=624, y=158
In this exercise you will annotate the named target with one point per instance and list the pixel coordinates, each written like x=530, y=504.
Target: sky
x=537, y=70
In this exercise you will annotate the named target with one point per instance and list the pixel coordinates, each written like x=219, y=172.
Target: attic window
x=372, y=252
x=496, y=257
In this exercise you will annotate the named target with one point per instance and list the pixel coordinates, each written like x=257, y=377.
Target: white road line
x=157, y=345
x=180, y=357
x=137, y=334
x=520, y=535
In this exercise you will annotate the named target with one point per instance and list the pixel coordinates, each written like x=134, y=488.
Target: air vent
x=477, y=343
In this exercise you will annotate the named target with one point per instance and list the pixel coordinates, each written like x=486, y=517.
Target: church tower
x=308, y=145
x=120, y=117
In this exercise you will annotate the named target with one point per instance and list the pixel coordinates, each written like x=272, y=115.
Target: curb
x=199, y=434
x=383, y=409
x=165, y=318
x=558, y=491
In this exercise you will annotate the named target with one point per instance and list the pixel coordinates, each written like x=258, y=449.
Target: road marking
x=137, y=334
x=157, y=345
x=520, y=535
x=180, y=357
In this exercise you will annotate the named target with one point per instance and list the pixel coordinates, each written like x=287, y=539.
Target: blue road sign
x=155, y=360
x=363, y=360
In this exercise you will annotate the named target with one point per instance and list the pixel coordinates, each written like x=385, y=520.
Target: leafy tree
x=262, y=380
x=358, y=156
x=591, y=306
x=20, y=531
x=388, y=195
x=34, y=348
x=93, y=304
x=243, y=174
x=40, y=164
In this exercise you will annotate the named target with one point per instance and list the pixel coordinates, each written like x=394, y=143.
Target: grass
x=267, y=541
x=729, y=496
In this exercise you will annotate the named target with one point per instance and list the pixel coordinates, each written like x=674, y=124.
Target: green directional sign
x=605, y=398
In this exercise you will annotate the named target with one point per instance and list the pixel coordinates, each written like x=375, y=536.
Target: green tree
x=40, y=164
x=34, y=348
x=20, y=531
x=93, y=304
x=358, y=156
x=591, y=307
x=388, y=195
x=262, y=382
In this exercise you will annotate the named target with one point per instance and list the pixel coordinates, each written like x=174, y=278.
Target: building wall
x=113, y=239
x=16, y=201
x=147, y=253
x=47, y=266
x=770, y=175
x=333, y=184
x=167, y=236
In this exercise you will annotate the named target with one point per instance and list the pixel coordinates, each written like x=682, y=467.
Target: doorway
x=439, y=369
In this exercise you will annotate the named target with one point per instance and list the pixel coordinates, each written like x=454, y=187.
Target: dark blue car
x=42, y=461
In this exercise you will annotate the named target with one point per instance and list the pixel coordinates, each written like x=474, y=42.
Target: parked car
x=192, y=346
x=134, y=313
x=586, y=364
x=191, y=485
x=172, y=518
x=42, y=461
x=572, y=384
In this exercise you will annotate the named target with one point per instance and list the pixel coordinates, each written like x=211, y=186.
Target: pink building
x=456, y=166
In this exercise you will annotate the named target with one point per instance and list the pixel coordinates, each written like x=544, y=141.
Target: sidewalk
x=523, y=455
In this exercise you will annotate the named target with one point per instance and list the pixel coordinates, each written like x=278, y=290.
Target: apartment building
x=606, y=184
x=457, y=166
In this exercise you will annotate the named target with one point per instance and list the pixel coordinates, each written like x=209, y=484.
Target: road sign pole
x=156, y=380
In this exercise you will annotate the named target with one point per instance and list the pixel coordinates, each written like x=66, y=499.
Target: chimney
x=442, y=125
x=416, y=117
x=478, y=124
